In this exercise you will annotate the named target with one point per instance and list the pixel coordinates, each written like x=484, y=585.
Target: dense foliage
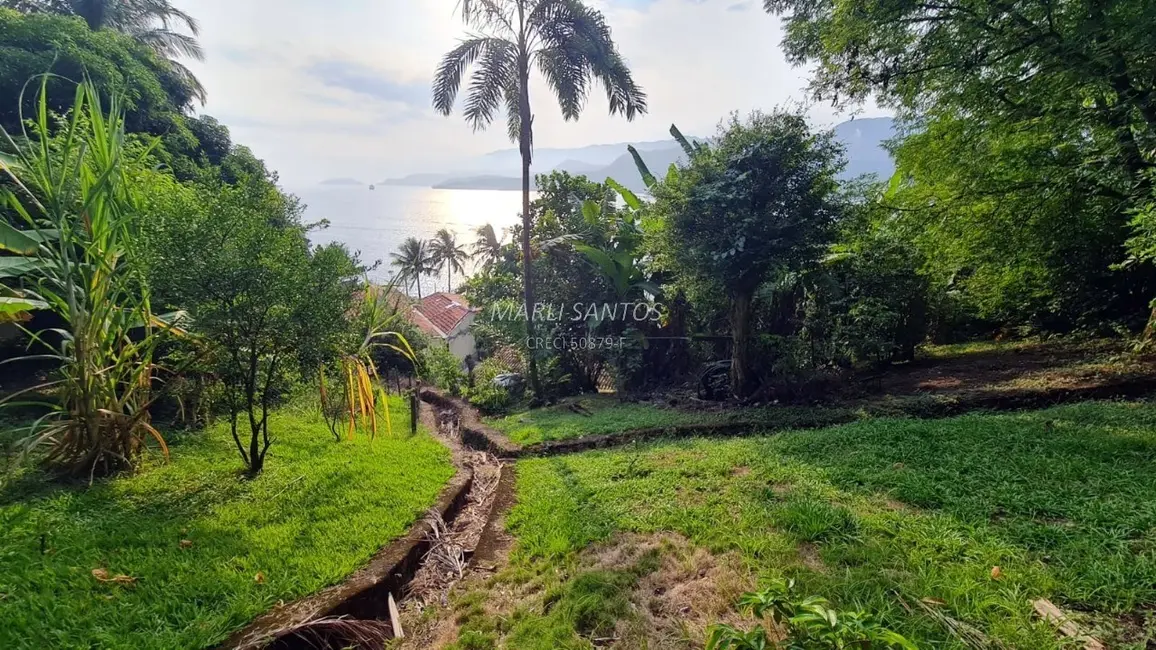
x=1030, y=129
x=269, y=308
x=748, y=210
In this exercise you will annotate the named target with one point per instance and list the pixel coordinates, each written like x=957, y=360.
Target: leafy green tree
x=757, y=204
x=570, y=44
x=447, y=254
x=1012, y=244
x=264, y=306
x=414, y=261
x=212, y=136
x=151, y=93
x=153, y=23
x=1087, y=60
x=1058, y=99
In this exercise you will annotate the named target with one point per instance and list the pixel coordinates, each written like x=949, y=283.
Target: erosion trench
x=377, y=602
x=463, y=537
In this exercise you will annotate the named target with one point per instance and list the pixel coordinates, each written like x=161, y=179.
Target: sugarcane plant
x=69, y=235
x=355, y=394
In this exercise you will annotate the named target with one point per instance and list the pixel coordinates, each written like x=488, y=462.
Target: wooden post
x=413, y=409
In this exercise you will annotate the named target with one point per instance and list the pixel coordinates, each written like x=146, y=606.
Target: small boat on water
x=372, y=187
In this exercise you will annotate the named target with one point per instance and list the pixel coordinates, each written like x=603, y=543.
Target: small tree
x=264, y=305
x=754, y=205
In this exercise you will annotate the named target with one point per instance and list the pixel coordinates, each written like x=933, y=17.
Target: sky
x=326, y=89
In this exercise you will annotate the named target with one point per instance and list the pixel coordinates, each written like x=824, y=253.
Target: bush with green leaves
x=806, y=623
x=440, y=366
x=484, y=394
x=267, y=308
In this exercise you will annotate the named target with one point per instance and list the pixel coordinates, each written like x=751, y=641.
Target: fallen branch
x=1048, y=611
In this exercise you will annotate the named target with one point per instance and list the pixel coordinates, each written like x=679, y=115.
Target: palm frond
x=493, y=72
x=170, y=44
x=581, y=32
x=448, y=78
x=569, y=77
x=513, y=115
x=488, y=14
x=189, y=78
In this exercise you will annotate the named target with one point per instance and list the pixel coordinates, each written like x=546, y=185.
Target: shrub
x=808, y=623
x=485, y=395
x=78, y=259
x=442, y=368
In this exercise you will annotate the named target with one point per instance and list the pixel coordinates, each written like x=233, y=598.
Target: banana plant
x=620, y=259
x=22, y=247
x=691, y=149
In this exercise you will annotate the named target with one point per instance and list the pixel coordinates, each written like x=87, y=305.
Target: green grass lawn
x=610, y=415
x=318, y=512
x=1062, y=500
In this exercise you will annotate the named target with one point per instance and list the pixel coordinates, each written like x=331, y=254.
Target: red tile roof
x=440, y=313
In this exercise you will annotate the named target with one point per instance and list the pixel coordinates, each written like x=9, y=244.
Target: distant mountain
x=863, y=139
x=625, y=171
x=485, y=182
x=420, y=180
x=343, y=181
x=508, y=161
x=572, y=166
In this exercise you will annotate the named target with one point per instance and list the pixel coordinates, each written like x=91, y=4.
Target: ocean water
x=375, y=222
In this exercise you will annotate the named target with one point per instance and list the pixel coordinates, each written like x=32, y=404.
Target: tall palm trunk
x=524, y=140
x=449, y=279
x=93, y=12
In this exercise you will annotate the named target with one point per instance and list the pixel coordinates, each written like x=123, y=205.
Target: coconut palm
x=413, y=259
x=487, y=247
x=154, y=23
x=448, y=255
x=569, y=43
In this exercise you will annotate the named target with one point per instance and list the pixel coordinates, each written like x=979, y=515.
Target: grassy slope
x=319, y=511
x=609, y=415
x=1063, y=500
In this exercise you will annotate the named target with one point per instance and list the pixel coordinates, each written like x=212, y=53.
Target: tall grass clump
x=76, y=212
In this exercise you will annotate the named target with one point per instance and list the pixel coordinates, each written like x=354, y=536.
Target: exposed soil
x=675, y=605
x=452, y=545
x=435, y=625
x=1038, y=367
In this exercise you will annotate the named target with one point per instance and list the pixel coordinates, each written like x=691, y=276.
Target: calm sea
x=375, y=222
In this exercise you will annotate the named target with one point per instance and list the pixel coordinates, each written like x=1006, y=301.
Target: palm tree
x=487, y=247
x=571, y=46
x=448, y=255
x=153, y=23
x=414, y=261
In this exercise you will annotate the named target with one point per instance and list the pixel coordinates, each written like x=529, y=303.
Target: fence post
x=413, y=409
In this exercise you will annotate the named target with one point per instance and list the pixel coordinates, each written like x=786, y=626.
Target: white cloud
x=697, y=59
